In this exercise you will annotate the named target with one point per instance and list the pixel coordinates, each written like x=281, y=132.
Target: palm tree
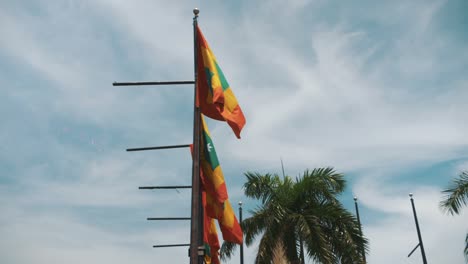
x=456, y=198
x=299, y=217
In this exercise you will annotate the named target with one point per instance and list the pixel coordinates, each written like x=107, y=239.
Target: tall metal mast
x=196, y=225
x=421, y=245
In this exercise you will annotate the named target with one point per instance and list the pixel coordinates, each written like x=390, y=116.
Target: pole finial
x=240, y=203
x=411, y=195
x=355, y=198
x=196, y=11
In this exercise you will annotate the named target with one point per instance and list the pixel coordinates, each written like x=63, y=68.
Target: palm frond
x=301, y=214
x=456, y=195
x=227, y=250
x=341, y=232
x=466, y=247
x=255, y=224
x=260, y=186
x=322, y=184
x=290, y=243
x=328, y=178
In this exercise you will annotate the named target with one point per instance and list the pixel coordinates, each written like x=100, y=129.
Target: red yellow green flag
x=215, y=198
x=223, y=211
x=215, y=97
x=227, y=219
x=229, y=225
x=213, y=178
x=210, y=236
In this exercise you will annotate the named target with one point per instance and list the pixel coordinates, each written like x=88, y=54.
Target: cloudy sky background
x=377, y=90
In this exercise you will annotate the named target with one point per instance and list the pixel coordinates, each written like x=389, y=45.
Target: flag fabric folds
x=214, y=95
x=227, y=220
x=210, y=236
x=229, y=225
x=213, y=178
x=215, y=197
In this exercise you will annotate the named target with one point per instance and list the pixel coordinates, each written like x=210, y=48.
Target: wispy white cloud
x=58, y=237
x=338, y=106
x=361, y=88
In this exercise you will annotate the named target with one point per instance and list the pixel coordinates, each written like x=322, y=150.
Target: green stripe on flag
x=210, y=151
x=207, y=249
x=209, y=75
x=224, y=83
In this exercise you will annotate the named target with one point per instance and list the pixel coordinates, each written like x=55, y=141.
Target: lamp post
x=242, y=245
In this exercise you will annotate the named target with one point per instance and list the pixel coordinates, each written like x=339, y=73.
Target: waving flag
x=215, y=198
x=213, y=178
x=215, y=97
x=229, y=225
x=210, y=236
x=227, y=220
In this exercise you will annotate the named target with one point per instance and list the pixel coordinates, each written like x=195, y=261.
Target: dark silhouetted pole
x=423, y=253
x=196, y=226
x=165, y=187
x=171, y=245
x=151, y=83
x=242, y=245
x=363, y=253
x=159, y=147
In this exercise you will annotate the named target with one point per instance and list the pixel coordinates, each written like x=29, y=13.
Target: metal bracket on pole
x=167, y=218
x=171, y=245
x=412, y=251
x=151, y=83
x=165, y=187
x=201, y=251
x=159, y=147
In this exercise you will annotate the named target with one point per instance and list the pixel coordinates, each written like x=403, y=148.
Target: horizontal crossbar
x=171, y=245
x=165, y=187
x=168, y=218
x=412, y=251
x=151, y=83
x=159, y=147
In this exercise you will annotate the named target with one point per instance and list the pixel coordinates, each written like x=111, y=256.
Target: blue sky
x=376, y=89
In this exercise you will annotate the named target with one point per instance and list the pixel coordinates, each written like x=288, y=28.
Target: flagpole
x=421, y=246
x=196, y=226
x=363, y=253
x=242, y=245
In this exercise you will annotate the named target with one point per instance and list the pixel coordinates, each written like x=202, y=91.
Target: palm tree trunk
x=279, y=256
x=302, y=250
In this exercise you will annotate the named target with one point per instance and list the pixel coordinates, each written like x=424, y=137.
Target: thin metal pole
x=167, y=218
x=196, y=225
x=242, y=245
x=363, y=253
x=421, y=245
x=412, y=251
x=165, y=187
x=159, y=147
x=171, y=245
x=151, y=83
